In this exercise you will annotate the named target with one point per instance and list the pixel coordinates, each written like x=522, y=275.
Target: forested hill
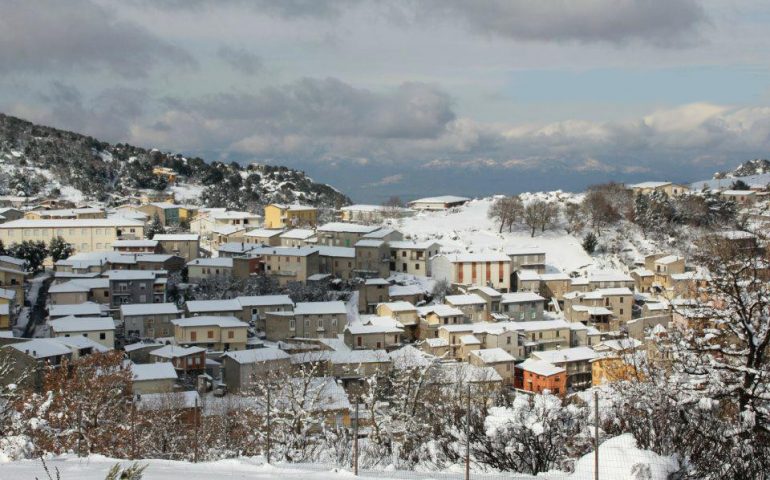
x=40, y=160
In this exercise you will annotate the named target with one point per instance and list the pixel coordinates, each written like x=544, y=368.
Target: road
x=38, y=293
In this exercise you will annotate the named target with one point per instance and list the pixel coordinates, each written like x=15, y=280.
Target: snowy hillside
x=43, y=161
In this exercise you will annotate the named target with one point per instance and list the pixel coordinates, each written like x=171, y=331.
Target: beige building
x=371, y=332
x=211, y=332
x=372, y=258
x=497, y=358
x=434, y=316
x=491, y=269
x=88, y=235
x=208, y=268
x=264, y=236
x=526, y=258
x=309, y=320
x=66, y=214
x=185, y=245
x=98, y=329
x=282, y=216
x=412, y=257
x=473, y=306
x=291, y=264
x=339, y=262
x=297, y=237
x=339, y=234
x=669, y=188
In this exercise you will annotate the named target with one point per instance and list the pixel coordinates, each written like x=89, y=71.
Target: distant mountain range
x=40, y=160
x=757, y=166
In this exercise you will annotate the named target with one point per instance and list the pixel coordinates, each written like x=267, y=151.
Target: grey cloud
x=329, y=108
x=614, y=21
x=240, y=59
x=282, y=8
x=108, y=116
x=53, y=35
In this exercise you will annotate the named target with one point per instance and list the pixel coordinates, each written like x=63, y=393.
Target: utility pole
x=596, y=435
x=355, y=441
x=468, y=435
x=133, y=430
x=80, y=428
x=197, y=423
x=268, y=425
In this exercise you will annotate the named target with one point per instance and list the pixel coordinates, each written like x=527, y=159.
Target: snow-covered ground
x=619, y=459
x=468, y=228
x=187, y=193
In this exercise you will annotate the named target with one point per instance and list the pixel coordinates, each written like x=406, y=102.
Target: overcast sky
x=406, y=96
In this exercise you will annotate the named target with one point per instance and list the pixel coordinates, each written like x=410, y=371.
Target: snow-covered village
x=396, y=240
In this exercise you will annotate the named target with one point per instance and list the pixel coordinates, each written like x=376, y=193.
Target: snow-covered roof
x=82, y=309
x=609, y=276
x=340, y=252
x=649, y=185
x=574, y=354
x=139, y=345
x=41, y=348
x=493, y=355
x=411, y=245
x=405, y=290
x=264, y=300
x=343, y=227
x=19, y=262
x=440, y=310
x=470, y=340
x=620, y=345
x=153, y=371
x=256, y=355
x=408, y=356
x=79, y=342
x=668, y=259
x=592, y=310
x=290, y=251
x=320, y=308
x=642, y=272
x=360, y=207
x=73, y=223
x=380, y=233
x=369, y=243
x=400, y=306
x=144, y=243
x=176, y=237
x=489, y=291
x=540, y=367
x=121, y=275
x=237, y=247
x=222, y=262
x=441, y=199
x=293, y=207
x=359, y=356
x=80, y=285
x=82, y=324
x=227, y=229
x=738, y=192
x=298, y=234
x=234, y=215
x=521, y=297
x=175, y=351
x=515, y=251
x=376, y=281
x=374, y=324
x=132, y=309
x=209, y=320
x=263, y=232
x=468, y=299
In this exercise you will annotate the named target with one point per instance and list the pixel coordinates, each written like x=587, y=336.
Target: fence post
x=80, y=428
x=355, y=441
x=468, y=435
x=133, y=429
x=197, y=423
x=268, y=424
x=596, y=435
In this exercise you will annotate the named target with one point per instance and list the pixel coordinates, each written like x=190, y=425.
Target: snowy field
x=467, y=228
x=619, y=460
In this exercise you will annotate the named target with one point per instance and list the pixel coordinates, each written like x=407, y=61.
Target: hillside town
x=207, y=308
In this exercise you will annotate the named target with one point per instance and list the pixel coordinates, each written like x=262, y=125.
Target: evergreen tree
x=155, y=227
x=589, y=242
x=59, y=249
x=3, y=251
x=33, y=253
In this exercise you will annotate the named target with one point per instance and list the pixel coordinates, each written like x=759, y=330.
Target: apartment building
x=371, y=293
x=98, y=329
x=135, y=286
x=255, y=308
x=263, y=236
x=338, y=234
x=208, y=268
x=308, y=320
x=576, y=361
x=473, y=306
x=297, y=237
x=290, y=264
x=149, y=320
x=243, y=368
x=491, y=269
x=526, y=258
x=282, y=216
x=372, y=258
x=522, y=306
x=185, y=245
x=412, y=257
x=216, y=333
x=373, y=332
x=434, y=316
x=86, y=235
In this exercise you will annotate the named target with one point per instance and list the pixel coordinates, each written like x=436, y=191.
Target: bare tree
x=506, y=211
x=538, y=214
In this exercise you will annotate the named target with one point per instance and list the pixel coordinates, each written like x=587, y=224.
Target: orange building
x=538, y=375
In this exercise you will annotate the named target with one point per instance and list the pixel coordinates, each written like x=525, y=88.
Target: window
x=416, y=266
x=230, y=334
x=320, y=323
x=193, y=336
x=334, y=323
x=210, y=334
x=508, y=340
x=292, y=324
x=102, y=336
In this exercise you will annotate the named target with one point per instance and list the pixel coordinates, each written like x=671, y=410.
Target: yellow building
x=87, y=235
x=282, y=216
x=212, y=332
x=167, y=173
